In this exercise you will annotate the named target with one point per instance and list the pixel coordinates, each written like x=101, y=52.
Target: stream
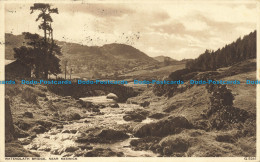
x=54, y=142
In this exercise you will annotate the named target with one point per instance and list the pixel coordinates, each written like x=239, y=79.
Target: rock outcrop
x=172, y=125
x=110, y=134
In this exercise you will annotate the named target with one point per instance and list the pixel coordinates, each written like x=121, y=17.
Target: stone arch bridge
x=85, y=90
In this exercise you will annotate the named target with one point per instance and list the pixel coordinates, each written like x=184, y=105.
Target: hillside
x=211, y=120
x=201, y=120
x=91, y=61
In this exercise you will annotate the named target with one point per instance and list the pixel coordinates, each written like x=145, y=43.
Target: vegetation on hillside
x=110, y=59
x=237, y=51
x=239, y=55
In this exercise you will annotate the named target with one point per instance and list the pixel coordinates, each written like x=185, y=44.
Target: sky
x=176, y=29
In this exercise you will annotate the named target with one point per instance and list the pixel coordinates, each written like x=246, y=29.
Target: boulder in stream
x=136, y=115
x=25, y=141
x=227, y=138
x=112, y=96
x=95, y=110
x=65, y=131
x=101, y=152
x=73, y=116
x=173, y=144
x=38, y=129
x=59, y=126
x=114, y=105
x=86, y=104
x=157, y=115
x=110, y=134
x=145, y=104
x=71, y=149
x=73, y=131
x=103, y=136
x=145, y=143
x=28, y=114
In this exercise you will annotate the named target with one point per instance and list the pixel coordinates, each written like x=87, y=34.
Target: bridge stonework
x=78, y=90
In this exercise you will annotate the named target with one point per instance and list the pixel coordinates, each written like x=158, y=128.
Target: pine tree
x=235, y=52
x=45, y=16
x=41, y=52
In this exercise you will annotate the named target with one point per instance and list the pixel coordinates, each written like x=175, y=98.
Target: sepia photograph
x=130, y=79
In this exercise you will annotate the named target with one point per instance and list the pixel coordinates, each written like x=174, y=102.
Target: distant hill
x=12, y=41
x=162, y=58
x=92, y=60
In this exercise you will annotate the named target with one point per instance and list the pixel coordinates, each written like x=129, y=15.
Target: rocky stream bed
x=101, y=133
x=200, y=121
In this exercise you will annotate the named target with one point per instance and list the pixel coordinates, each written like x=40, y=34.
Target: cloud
x=222, y=26
x=175, y=29
x=170, y=28
x=99, y=9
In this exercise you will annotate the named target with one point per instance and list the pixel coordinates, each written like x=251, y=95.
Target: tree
x=41, y=52
x=45, y=15
x=45, y=25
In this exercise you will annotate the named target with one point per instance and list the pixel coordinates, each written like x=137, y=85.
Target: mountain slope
x=92, y=60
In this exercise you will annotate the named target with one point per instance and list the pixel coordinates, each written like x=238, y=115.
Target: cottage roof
x=7, y=62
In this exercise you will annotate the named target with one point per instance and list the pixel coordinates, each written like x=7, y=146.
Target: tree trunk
x=46, y=50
